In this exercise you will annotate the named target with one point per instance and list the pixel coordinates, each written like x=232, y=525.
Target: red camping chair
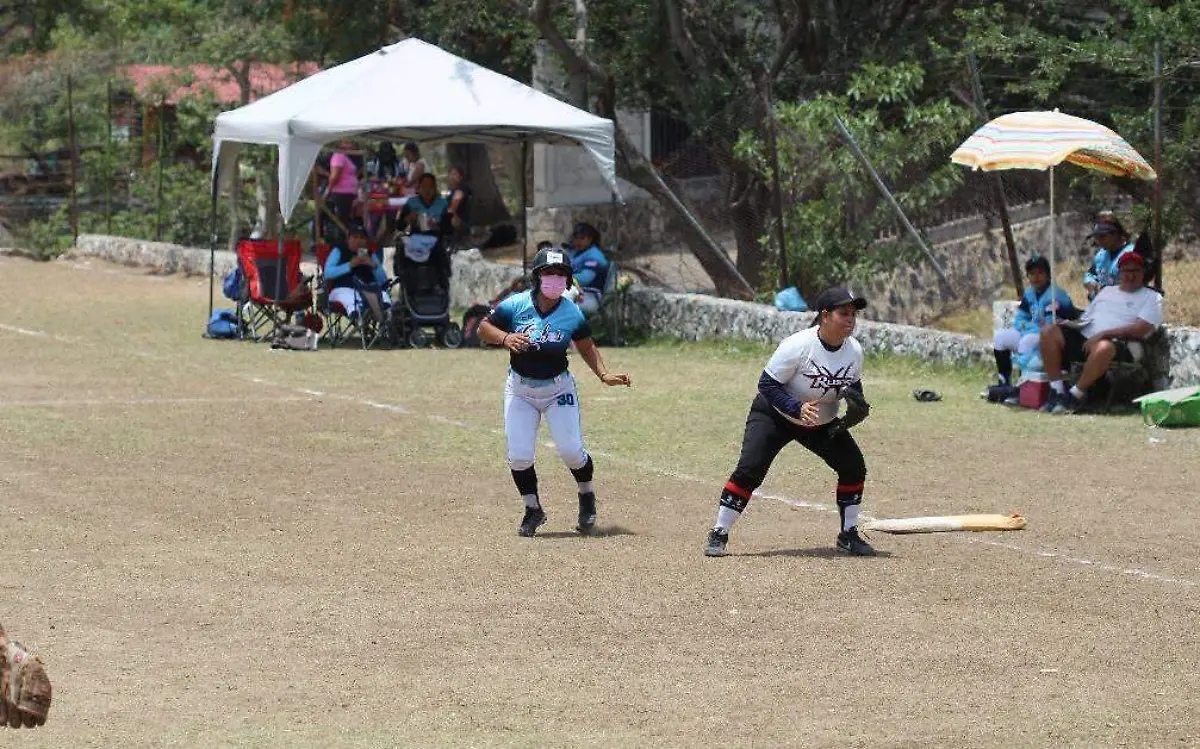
x=275, y=289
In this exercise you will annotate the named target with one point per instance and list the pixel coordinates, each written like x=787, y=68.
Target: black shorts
x=1075, y=339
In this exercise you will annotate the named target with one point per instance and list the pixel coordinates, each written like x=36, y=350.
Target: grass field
x=216, y=544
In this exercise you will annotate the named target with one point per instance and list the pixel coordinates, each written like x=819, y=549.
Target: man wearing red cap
x=1129, y=311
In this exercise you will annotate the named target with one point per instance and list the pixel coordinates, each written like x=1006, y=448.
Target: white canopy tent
x=411, y=90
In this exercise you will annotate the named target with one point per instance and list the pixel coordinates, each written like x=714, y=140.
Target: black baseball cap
x=356, y=227
x=836, y=297
x=1107, y=226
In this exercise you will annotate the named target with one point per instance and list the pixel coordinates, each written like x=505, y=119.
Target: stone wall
x=162, y=256
x=476, y=281
x=691, y=317
x=695, y=317
x=976, y=265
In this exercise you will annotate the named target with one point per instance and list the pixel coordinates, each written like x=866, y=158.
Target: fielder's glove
x=24, y=686
x=857, y=409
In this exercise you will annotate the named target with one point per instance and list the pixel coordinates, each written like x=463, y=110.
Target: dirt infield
x=216, y=544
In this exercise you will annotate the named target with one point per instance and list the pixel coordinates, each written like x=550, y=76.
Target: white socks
x=1058, y=386
x=849, y=516
x=1075, y=391
x=531, y=501
x=726, y=517
x=585, y=487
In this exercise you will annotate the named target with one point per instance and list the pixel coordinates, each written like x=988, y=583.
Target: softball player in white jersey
x=798, y=401
x=537, y=327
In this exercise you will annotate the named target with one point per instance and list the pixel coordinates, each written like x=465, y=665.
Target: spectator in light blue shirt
x=589, y=267
x=1112, y=241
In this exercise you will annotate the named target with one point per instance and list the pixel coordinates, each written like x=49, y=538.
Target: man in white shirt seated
x=1111, y=328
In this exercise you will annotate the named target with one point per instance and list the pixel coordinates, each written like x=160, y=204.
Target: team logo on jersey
x=539, y=336
x=828, y=380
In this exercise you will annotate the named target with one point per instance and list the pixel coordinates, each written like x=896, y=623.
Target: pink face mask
x=553, y=286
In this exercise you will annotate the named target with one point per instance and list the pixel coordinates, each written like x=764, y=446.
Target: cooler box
x=1033, y=394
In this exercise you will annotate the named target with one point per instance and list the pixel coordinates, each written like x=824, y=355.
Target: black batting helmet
x=550, y=258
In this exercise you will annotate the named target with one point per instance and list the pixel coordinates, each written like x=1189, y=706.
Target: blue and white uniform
x=1024, y=337
x=538, y=380
x=590, y=269
x=1103, y=271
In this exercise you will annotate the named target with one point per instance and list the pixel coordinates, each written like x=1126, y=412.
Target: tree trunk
x=748, y=199
x=631, y=163
x=633, y=166
x=487, y=204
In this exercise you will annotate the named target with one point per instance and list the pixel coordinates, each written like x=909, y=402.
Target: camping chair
x=340, y=325
x=274, y=289
x=612, y=307
x=1126, y=380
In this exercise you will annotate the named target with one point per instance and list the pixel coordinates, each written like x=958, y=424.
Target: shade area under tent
x=459, y=102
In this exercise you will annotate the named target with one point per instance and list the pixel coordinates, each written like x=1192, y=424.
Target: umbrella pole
x=1053, y=287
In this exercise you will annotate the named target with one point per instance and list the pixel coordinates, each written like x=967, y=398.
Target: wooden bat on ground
x=945, y=523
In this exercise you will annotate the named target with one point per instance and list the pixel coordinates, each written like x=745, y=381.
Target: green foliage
x=833, y=212
x=50, y=237
x=1097, y=61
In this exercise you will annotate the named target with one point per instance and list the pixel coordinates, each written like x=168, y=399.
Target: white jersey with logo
x=812, y=373
x=1114, y=308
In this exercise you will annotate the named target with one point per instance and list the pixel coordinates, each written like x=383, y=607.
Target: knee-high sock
x=1004, y=365
x=733, y=501
x=849, y=500
x=527, y=486
x=583, y=476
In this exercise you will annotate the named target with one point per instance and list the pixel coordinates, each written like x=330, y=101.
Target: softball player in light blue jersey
x=537, y=327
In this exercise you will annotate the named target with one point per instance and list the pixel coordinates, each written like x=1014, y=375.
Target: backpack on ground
x=222, y=324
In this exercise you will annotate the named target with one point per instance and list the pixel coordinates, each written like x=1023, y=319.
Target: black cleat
x=717, y=539
x=851, y=543
x=534, y=517
x=1067, y=403
x=587, y=513
x=1051, y=403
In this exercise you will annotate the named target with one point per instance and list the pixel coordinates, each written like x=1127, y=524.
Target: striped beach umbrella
x=1043, y=140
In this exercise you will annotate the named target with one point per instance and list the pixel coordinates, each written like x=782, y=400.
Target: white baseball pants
x=525, y=402
x=1010, y=339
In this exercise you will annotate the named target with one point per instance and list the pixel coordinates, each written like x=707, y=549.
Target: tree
x=713, y=64
x=833, y=213
x=1097, y=61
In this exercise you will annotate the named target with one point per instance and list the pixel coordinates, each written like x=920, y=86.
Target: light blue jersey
x=550, y=335
x=590, y=268
x=1033, y=313
x=1104, y=267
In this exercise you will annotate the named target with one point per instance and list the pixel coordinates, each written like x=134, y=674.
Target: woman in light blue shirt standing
x=1112, y=242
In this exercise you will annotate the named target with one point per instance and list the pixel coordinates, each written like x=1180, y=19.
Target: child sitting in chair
x=1034, y=312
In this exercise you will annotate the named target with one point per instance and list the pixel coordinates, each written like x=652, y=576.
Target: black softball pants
x=768, y=431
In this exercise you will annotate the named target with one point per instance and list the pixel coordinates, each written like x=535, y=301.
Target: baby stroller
x=422, y=292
